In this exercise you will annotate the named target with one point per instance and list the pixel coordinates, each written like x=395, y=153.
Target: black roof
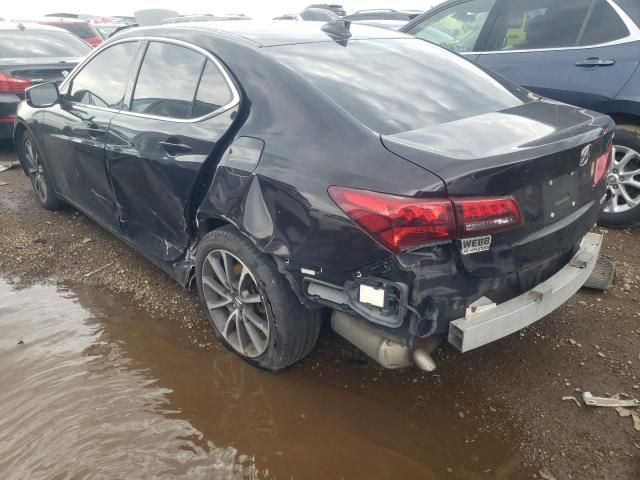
x=272, y=33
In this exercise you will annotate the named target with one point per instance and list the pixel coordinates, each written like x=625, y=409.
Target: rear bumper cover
x=494, y=322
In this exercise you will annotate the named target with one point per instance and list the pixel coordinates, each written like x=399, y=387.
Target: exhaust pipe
x=386, y=352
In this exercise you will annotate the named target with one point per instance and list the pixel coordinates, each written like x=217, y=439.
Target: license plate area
x=560, y=196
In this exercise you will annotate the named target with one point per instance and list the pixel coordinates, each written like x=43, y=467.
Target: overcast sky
x=256, y=9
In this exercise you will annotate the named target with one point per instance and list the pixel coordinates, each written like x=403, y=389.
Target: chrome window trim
x=235, y=96
x=634, y=36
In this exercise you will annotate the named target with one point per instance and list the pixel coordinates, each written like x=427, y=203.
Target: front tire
x=249, y=304
x=36, y=170
x=623, y=180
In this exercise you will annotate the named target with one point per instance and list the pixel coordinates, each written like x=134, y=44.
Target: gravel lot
x=591, y=344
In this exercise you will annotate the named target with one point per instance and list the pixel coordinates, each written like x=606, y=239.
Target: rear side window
x=167, y=81
x=103, y=80
x=41, y=44
x=456, y=28
x=536, y=24
x=605, y=25
x=213, y=92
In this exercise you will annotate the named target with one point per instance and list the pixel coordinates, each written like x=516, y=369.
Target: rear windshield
x=83, y=30
x=41, y=44
x=106, y=31
x=396, y=85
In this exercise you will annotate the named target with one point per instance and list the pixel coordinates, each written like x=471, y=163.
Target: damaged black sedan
x=289, y=169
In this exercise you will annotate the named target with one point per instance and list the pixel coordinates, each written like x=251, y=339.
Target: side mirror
x=43, y=95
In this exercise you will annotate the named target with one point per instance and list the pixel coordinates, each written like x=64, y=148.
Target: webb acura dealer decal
x=475, y=245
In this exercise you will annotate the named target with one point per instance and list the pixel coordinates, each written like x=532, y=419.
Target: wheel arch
x=625, y=118
x=209, y=224
x=18, y=132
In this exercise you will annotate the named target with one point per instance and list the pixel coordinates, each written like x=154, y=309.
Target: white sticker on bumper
x=475, y=245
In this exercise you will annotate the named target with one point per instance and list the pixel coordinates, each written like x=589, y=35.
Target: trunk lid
x=533, y=152
x=39, y=70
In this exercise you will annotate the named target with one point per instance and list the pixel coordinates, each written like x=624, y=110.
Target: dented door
x=182, y=106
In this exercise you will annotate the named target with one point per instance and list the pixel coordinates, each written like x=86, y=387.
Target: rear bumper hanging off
x=488, y=323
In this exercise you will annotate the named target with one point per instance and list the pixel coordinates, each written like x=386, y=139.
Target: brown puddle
x=99, y=391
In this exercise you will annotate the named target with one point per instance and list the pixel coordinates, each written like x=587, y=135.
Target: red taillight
x=486, y=215
x=402, y=223
x=602, y=165
x=13, y=84
x=398, y=223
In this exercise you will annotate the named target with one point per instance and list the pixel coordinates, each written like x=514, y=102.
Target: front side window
x=167, y=81
x=102, y=82
x=456, y=28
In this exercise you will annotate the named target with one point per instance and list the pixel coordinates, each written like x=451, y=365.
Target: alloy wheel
x=36, y=172
x=235, y=302
x=623, y=180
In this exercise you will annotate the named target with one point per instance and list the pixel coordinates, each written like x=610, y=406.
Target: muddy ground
x=493, y=413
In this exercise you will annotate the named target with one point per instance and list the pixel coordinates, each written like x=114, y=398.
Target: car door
x=459, y=25
x=182, y=105
x=76, y=131
x=580, y=52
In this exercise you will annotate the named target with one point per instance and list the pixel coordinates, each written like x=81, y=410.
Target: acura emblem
x=585, y=155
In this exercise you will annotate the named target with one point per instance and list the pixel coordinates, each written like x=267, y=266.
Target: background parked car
x=289, y=17
x=582, y=52
x=334, y=7
x=388, y=24
x=30, y=54
x=107, y=29
x=207, y=17
x=81, y=28
x=318, y=15
x=383, y=14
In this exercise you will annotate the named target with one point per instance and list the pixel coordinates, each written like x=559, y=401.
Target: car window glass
x=41, y=44
x=604, y=25
x=213, y=92
x=167, y=81
x=429, y=85
x=102, y=82
x=456, y=28
x=83, y=30
x=535, y=24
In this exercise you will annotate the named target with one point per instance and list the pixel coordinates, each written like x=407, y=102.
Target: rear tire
x=33, y=163
x=623, y=195
x=249, y=304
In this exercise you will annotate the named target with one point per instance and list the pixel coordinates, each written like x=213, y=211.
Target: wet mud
x=92, y=390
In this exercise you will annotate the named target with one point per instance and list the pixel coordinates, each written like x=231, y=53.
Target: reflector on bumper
x=482, y=327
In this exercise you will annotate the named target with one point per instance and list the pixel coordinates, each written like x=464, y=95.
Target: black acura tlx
x=293, y=171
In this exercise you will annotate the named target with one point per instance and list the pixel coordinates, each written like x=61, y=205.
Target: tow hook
x=387, y=352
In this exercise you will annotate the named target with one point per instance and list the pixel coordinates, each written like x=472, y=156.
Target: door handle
x=595, y=62
x=173, y=148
